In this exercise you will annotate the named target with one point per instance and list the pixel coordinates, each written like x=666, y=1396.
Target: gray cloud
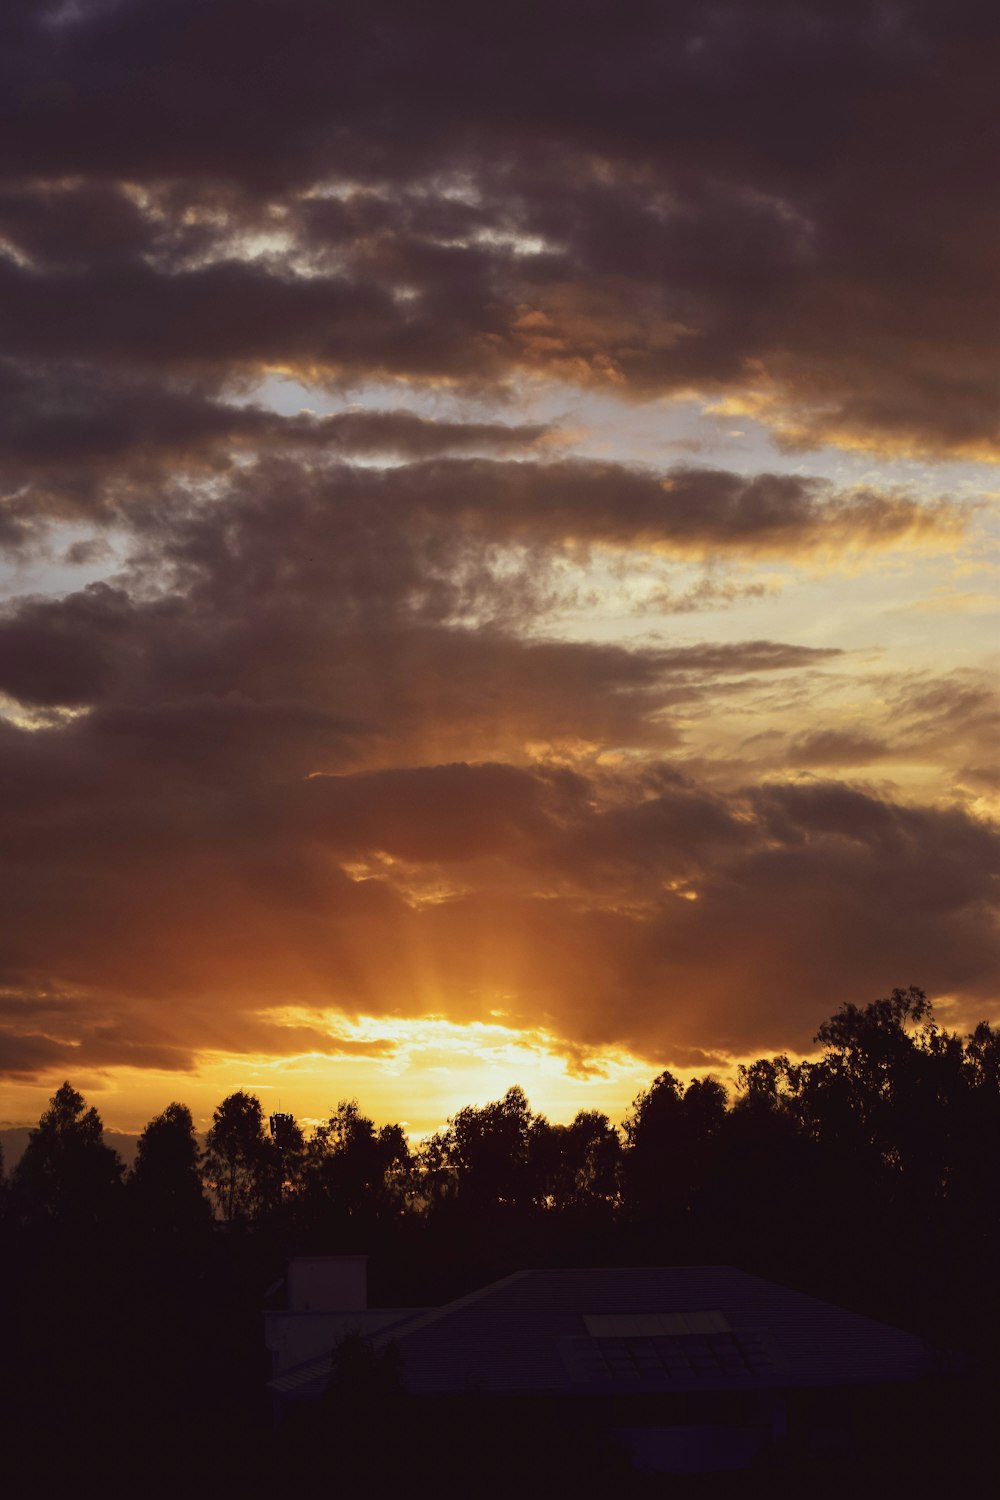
x=788, y=204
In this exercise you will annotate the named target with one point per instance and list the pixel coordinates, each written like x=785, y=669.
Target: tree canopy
x=835, y=1162
x=67, y=1172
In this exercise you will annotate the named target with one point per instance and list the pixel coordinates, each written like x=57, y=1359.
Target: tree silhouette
x=864, y=1174
x=489, y=1151
x=889, y=1087
x=654, y=1114
x=653, y=1137
x=579, y=1164
x=357, y=1166
x=66, y=1171
x=165, y=1182
x=286, y=1157
x=238, y=1157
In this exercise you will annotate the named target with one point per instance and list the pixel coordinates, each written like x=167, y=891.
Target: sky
x=499, y=537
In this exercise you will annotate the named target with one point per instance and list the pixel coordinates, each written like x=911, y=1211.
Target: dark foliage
x=67, y=1176
x=165, y=1183
x=866, y=1176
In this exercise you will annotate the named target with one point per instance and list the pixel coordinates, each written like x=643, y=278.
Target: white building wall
x=327, y=1283
x=292, y=1338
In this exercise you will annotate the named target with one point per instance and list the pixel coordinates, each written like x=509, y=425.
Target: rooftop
x=612, y=1331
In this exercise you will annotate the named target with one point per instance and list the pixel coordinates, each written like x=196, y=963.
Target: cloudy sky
x=499, y=523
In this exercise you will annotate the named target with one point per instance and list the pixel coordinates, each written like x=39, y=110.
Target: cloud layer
x=791, y=205
x=397, y=705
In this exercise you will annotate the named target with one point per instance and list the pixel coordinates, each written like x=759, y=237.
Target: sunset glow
x=499, y=583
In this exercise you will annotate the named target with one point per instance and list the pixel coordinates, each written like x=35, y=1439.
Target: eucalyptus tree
x=238, y=1156
x=66, y=1171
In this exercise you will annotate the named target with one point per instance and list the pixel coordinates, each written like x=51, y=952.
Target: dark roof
x=528, y=1333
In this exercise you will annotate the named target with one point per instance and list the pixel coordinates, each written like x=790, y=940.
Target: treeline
x=134, y=1297
x=841, y=1171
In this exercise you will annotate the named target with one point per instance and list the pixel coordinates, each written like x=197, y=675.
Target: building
x=694, y=1368
x=326, y=1298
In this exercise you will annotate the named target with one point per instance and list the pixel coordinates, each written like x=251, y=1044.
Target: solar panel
x=685, y=1359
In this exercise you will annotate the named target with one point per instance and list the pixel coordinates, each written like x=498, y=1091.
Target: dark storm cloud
x=75, y=417
x=875, y=887
x=231, y=319
x=68, y=1038
x=172, y=856
x=686, y=509
x=329, y=617
x=339, y=661
x=794, y=204
x=71, y=225
x=76, y=443
x=40, y=1033
x=439, y=812
x=610, y=910
x=183, y=798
